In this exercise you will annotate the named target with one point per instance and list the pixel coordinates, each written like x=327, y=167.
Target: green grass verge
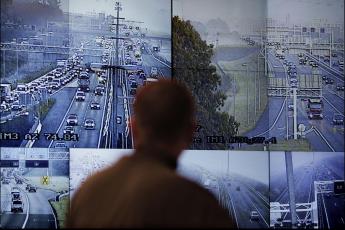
x=301, y=145
x=45, y=107
x=245, y=91
x=61, y=208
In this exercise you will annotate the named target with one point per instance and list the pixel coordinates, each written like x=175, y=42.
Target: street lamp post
x=246, y=65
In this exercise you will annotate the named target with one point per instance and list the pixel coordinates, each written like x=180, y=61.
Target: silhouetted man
x=143, y=189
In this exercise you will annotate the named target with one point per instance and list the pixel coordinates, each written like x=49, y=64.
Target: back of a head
x=164, y=110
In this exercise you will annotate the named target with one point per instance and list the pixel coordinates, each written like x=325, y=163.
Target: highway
x=308, y=168
x=237, y=193
x=111, y=121
x=277, y=120
x=37, y=212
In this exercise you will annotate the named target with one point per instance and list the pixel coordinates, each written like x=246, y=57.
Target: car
x=293, y=80
x=329, y=81
x=99, y=91
x=60, y=145
x=290, y=107
x=118, y=119
x=133, y=92
x=254, y=215
x=324, y=77
x=95, y=105
x=133, y=84
x=340, y=87
x=338, y=119
x=72, y=119
x=89, y=123
x=154, y=72
x=31, y=188
x=293, y=84
x=5, y=181
x=68, y=130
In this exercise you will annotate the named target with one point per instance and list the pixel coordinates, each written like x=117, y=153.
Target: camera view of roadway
x=268, y=57
x=27, y=201
x=86, y=100
x=317, y=202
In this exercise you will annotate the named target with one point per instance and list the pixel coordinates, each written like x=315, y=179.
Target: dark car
x=340, y=87
x=30, y=188
x=329, y=81
x=99, y=91
x=338, y=119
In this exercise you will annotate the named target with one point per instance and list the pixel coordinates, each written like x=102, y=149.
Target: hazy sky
x=277, y=160
x=237, y=11
x=250, y=164
x=305, y=11
x=156, y=14
x=231, y=11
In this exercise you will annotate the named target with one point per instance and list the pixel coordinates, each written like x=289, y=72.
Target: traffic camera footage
x=34, y=187
x=57, y=95
x=266, y=74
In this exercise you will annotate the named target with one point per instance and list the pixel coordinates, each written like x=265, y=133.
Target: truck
x=84, y=85
x=61, y=63
x=15, y=194
x=137, y=54
x=315, y=108
x=17, y=206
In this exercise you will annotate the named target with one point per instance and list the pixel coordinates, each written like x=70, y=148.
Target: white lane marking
x=69, y=108
x=323, y=137
x=332, y=105
x=27, y=209
x=276, y=120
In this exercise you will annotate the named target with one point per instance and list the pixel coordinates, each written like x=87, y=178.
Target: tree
x=192, y=66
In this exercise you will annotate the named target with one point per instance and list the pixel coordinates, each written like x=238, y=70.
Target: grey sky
x=233, y=12
x=250, y=164
x=305, y=11
x=237, y=12
x=156, y=14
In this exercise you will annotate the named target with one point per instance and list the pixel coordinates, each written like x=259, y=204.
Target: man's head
x=164, y=115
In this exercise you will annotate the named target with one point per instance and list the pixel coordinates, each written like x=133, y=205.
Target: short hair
x=164, y=110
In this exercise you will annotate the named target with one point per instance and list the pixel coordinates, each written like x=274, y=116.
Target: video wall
x=267, y=77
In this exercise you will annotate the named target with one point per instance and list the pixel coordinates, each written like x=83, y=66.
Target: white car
x=89, y=124
x=254, y=215
x=80, y=96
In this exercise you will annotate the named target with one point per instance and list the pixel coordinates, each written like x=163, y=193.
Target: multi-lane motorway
x=239, y=194
x=111, y=120
x=37, y=211
x=310, y=167
x=277, y=119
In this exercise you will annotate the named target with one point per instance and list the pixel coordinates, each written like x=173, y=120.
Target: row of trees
x=192, y=66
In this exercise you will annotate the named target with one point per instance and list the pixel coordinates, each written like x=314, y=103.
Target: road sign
x=339, y=187
x=36, y=164
x=45, y=180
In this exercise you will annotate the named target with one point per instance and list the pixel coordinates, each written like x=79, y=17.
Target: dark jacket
x=143, y=190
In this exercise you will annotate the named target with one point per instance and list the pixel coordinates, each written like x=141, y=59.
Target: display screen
x=317, y=192
x=34, y=187
x=267, y=77
x=266, y=74
x=70, y=70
